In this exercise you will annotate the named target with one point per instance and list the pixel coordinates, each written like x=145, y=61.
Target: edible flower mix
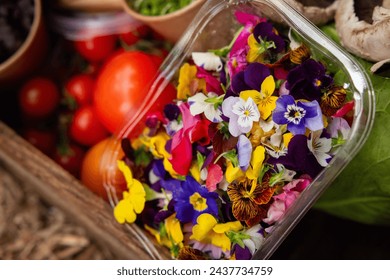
x=253, y=124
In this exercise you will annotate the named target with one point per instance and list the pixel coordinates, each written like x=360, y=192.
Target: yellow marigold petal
x=233, y=173
x=205, y=224
x=124, y=212
x=173, y=227
x=125, y=169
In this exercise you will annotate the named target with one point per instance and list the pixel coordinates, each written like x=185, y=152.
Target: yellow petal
x=223, y=228
x=173, y=228
x=205, y=224
x=266, y=106
x=186, y=75
x=254, y=55
x=125, y=169
x=194, y=170
x=233, y=173
x=286, y=138
x=268, y=86
x=137, y=196
x=254, y=94
x=222, y=241
x=157, y=145
x=124, y=212
x=257, y=159
x=168, y=167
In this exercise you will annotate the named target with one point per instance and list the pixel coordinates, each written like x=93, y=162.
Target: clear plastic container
x=213, y=28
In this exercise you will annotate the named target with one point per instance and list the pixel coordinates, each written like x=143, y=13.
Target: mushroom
x=364, y=28
x=319, y=12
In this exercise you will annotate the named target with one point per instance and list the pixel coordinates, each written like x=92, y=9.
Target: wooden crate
x=60, y=189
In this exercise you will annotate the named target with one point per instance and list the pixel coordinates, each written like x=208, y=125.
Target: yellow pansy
x=188, y=83
x=156, y=144
x=266, y=103
x=256, y=50
x=233, y=173
x=258, y=156
x=170, y=234
x=208, y=231
x=173, y=228
x=133, y=201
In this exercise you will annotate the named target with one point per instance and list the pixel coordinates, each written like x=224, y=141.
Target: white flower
x=275, y=146
x=209, y=61
x=320, y=147
x=246, y=111
x=256, y=239
x=200, y=103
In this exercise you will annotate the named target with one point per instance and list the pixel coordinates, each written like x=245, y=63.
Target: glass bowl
x=213, y=28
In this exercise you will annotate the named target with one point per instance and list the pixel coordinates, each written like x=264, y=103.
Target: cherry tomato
x=39, y=98
x=121, y=87
x=43, y=139
x=85, y=127
x=70, y=158
x=133, y=36
x=80, y=88
x=96, y=48
x=93, y=165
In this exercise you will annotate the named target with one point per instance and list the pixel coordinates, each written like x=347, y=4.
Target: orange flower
x=246, y=196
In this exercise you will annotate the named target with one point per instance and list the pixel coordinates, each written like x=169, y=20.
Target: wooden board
x=62, y=190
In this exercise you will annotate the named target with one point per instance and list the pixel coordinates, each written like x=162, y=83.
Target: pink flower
x=194, y=130
x=237, y=55
x=284, y=200
x=212, y=83
x=214, y=176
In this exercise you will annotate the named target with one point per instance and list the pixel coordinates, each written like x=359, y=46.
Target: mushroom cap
x=367, y=40
x=317, y=13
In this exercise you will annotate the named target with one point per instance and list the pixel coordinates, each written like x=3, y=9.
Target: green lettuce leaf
x=362, y=191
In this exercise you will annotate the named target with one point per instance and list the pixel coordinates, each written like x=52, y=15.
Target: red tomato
x=70, y=158
x=85, y=127
x=94, y=161
x=43, y=140
x=80, y=88
x=121, y=87
x=96, y=48
x=39, y=98
x=133, y=36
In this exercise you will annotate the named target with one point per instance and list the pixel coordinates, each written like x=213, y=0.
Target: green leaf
x=362, y=191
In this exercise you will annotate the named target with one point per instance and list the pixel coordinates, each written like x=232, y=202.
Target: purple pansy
x=192, y=199
x=299, y=157
x=264, y=31
x=297, y=115
x=307, y=80
x=241, y=253
x=251, y=78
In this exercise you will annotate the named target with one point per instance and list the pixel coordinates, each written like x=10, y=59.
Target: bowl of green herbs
x=168, y=18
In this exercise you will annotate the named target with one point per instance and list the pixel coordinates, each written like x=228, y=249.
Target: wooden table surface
x=60, y=189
